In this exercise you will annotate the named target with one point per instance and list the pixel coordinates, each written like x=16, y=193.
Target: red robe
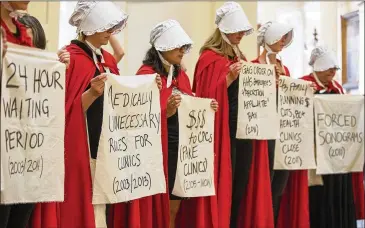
x=357, y=178
x=152, y=211
x=294, y=207
x=22, y=39
x=210, y=81
x=77, y=209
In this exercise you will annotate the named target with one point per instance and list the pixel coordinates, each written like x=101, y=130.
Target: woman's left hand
x=158, y=82
x=64, y=56
x=214, y=105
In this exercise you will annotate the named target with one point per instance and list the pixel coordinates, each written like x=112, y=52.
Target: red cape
x=77, y=209
x=294, y=207
x=214, y=211
x=357, y=178
x=152, y=211
x=22, y=39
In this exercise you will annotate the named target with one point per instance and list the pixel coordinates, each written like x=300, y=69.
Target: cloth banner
x=257, y=117
x=195, y=165
x=129, y=164
x=32, y=126
x=294, y=149
x=339, y=123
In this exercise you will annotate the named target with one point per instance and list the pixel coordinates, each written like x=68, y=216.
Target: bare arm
x=96, y=90
x=117, y=48
x=87, y=99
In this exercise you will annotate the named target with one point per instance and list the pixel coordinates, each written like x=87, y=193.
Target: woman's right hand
x=234, y=71
x=173, y=103
x=97, y=85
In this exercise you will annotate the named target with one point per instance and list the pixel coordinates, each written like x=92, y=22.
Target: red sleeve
x=359, y=194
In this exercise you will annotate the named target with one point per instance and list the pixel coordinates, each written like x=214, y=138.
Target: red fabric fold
x=359, y=194
x=294, y=207
x=256, y=209
x=213, y=211
x=77, y=209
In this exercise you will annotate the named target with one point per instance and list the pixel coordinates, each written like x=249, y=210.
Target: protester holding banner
x=216, y=76
x=84, y=94
x=44, y=214
x=14, y=215
x=336, y=200
x=273, y=37
x=169, y=44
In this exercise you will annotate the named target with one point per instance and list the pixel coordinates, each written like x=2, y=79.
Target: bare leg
x=174, y=209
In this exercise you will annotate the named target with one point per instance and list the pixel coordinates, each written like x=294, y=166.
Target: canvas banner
x=294, y=149
x=339, y=123
x=32, y=126
x=129, y=163
x=257, y=117
x=195, y=165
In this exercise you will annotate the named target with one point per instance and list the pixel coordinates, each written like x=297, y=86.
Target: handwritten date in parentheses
x=131, y=184
x=337, y=152
x=22, y=167
x=290, y=160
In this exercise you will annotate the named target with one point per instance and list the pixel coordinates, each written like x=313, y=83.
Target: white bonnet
x=169, y=35
x=97, y=16
x=271, y=32
x=230, y=18
x=323, y=59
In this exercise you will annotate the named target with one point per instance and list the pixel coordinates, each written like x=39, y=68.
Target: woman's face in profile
x=174, y=56
x=235, y=38
x=278, y=46
x=326, y=76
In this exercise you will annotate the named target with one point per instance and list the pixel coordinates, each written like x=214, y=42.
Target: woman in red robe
x=84, y=98
x=14, y=215
x=288, y=188
x=169, y=44
x=216, y=76
x=337, y=201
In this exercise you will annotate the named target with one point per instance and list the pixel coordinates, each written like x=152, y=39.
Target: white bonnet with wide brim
x=230, y=18
x=271, y=32
x=169, y=35
x=92, y=17
x=323, y=59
